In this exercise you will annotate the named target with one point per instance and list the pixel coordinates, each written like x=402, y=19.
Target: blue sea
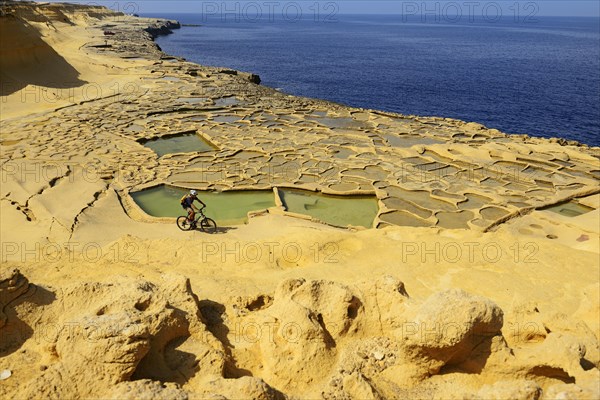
x=539, y=77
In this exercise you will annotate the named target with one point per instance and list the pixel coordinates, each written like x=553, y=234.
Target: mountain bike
x=206, y=224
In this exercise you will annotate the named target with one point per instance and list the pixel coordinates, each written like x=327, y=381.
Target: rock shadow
x=474, y=364
x=213, y=314
x=15, y=332
x=26, y=59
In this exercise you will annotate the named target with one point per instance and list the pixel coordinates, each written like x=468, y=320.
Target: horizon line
x=386, y=14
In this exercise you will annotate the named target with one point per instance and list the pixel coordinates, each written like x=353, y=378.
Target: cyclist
x=187, y=202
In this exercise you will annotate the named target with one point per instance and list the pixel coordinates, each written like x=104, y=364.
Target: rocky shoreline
x=163, y=27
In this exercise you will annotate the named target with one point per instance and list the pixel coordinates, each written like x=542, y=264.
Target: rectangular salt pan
x=570, y=209
x=227, y=208
x=186, y=143
x=335, y=210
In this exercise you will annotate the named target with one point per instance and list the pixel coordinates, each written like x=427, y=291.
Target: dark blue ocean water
x=537, y=77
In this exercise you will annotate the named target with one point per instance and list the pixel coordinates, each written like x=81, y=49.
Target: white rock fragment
x=5, y=374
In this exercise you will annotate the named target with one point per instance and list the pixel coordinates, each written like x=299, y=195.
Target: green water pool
x=227, y=208
x=231, y=208
x=186, y=143
x=335, y=210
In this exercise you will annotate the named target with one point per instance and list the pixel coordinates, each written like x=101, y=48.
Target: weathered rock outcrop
x=449, y=326
x=162, y=27
x=117, y=332
x=141, y=339
x=307, y=318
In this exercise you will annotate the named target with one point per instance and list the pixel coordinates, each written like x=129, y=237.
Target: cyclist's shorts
x=188, y=209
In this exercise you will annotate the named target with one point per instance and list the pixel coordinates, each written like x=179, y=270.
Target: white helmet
x=193, y=192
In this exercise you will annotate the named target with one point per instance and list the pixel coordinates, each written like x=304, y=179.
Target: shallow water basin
x=184, y=143
x=192, y=100
x=409, y=140
x=338, y=122
x=570, y=209
x=227, y=208
x=342, y=153
x=226, y=101
x=335, y=210
x=226, y=118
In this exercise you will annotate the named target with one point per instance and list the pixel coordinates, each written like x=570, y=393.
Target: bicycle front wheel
x=208, y=225
x=183, y=223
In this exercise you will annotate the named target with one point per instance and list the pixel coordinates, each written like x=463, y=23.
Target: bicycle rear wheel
x=183, y=223
x=208, y=225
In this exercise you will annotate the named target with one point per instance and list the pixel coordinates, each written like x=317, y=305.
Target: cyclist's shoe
x=193, y=224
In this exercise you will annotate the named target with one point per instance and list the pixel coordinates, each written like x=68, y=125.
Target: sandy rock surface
x=466, y=287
